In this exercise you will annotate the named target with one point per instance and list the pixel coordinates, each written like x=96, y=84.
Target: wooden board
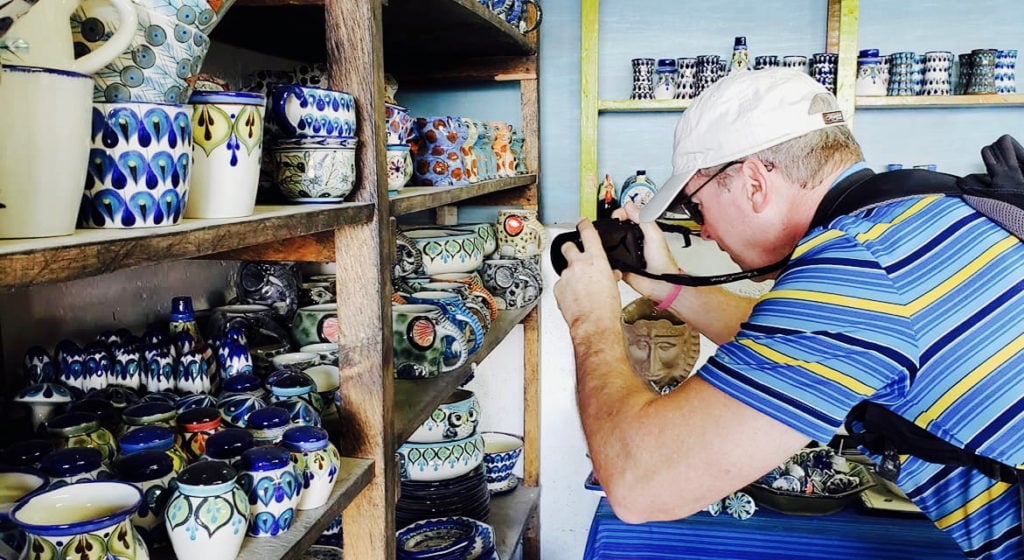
x=642, y=105
x=416, y=199
x=510, y=515
x=912, y=101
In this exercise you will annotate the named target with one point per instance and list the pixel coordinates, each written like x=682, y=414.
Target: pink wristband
x=672, y=295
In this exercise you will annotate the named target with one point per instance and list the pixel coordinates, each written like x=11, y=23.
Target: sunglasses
x=686, y=200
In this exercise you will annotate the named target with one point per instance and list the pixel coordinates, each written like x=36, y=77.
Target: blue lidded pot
x=235, y=408
x=153, y=438
x=228, y=444
x=267, y=425
x=305, y=439
x=245, y=383
x=196, y=400
x=74, y=464
x=25, y=454
x=152, y=413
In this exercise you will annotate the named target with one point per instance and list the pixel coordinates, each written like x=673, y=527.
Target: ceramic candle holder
x=140, y=165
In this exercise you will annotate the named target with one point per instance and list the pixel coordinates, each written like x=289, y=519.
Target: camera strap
x=715, y=280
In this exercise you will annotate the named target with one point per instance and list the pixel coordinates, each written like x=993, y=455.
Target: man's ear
x=757, y=185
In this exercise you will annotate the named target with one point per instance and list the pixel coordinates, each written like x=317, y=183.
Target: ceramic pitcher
x=46, y=30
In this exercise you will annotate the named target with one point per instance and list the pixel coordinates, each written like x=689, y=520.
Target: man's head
x=779, y=116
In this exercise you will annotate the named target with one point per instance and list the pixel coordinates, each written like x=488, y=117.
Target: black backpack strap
x=864, y=189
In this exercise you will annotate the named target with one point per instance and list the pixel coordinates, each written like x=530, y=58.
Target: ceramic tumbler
x=227, y=129
x=1005, y=72
x=426, y=343
x=317, y=461
x=937, y=67
x=870, y=80
x=643, y=78
x=983, y=72
x=664, y=79
x=796, y=62
x=273, y=486
x=44, y=129
x=520, y=233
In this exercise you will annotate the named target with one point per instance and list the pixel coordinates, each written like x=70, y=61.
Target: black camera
x=623, y=242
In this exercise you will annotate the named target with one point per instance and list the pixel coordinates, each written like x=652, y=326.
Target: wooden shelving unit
x=642, y=105
x=941, y=101
x=416, y=199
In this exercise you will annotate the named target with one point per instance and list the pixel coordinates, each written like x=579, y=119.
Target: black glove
x=1004, y=161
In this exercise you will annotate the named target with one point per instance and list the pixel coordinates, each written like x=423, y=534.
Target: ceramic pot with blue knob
x=208, y=513
x=74, y=464
x=82, y=429
x=195, y=400
x=267, y=425
x=235, y=408
x=273, y=486
x=228, y=445
x=151, y=472
x=153, y=438
x=317, y=460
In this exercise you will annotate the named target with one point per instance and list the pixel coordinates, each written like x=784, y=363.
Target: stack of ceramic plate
x=446, y=538
x=466, y=496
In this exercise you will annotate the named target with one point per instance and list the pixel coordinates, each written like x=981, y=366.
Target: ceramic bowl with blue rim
x=445, y=537
x=15, y=485
x=440, y=461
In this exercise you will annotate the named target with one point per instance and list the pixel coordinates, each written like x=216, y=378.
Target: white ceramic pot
x=427, y=462
x=317, y=461
x=227, y=127
x=207, y=515
x=44, y=131
x=456, y=418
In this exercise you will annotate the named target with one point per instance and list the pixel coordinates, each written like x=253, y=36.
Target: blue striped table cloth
x=847, y=534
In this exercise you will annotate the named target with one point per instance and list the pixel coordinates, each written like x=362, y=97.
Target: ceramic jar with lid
x=25, y=454
x=82, y=429
x=273, y=486
x=195, y=426
x=74, y=464
x=228, y=445
x=151, y=472
x=267, y=425
x=207, y=514
x=317, y=460
x=154, y=438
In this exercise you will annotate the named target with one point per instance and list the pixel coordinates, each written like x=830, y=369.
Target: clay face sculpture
x=661, y=348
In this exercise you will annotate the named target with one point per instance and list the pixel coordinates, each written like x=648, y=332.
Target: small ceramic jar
x=151, y=472
x=235, y=408
x=207, y=514
x=267, y=425
x=273, y=486
x=195, y=426
x=154, y=438
x=317, y=460
x=25, y=454
x=153, y=413
x=295, y=386
x=245, y=383
x=198, y=400
x=228, y=445
x=74, y=464
x=82, y=429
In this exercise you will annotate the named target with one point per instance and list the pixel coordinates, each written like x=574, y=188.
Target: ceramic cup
x=398, y=123
x=311, y=172
x=456, y=418
x=160, y=64
x=456, y=311
x=316, y=323
x=399, y=167
x=446, y=250
x=514, y=283
x=44, y=131
x=140, y=165
x=426, y=343
x=305, y=111
x=520, y=233
x=228, y=133
x=327, y=352
x=501, y=453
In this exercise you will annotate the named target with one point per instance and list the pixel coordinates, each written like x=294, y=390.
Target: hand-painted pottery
x=73, y=465
x=108, y=414
x=446, y=250
x=149, y=414
x=439, y=162
x=513, y=283
x=99, y=527
x=469, y=159
x=327, y=352
x=296, y=360
x=487, y=166
x=261, y=283
x=327, y=379
x=195, y=400
x=520, y=234
x=300, y=412
x=398, y=123
x=98, y=366
x=408, y=259
x=153, y=438
x=201, y=14
x=245, y=384
x=303, y=111
x=25, y=454
x=331, y=537
x=501, y=452
x=207, y=514
x=151, y=472
x=140, y=165
x=71, y=361
x=516, y=145
x=228, y=445
x=505, y=161
x=117, y=397
x=476, y=287
x=235, y=408
x=228, y=132
x=455, y=310
x=426, y=343
x=317, y=461
x=15, y=485
x=82, y=429
x=193, y=374
x=128, y=367
x=160, y=396
x=456, y=418
x=485, y=233
x=440, y=461
x=195, y=426
x=313, y=173
x=267, y=425
x=273, y=486
x=399, y=167
x=39, y=366
x=482, y=308
x=160, y=65
x=432, y=538
x=312, y=293
x=159, y=370
x=316, y=323
x=295, y=386
x=46, y=400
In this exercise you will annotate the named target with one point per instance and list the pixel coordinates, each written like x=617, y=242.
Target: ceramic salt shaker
x=273, y=486
x=317, y=460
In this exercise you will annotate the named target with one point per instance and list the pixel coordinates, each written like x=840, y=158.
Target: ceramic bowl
x=140, y=165
x=297, y=360
x=456, y=418
x=312, y=173
x=446, y=250
x=327, y=352
x=501, y=453
x=160, y=65
x=306, y=111
x=440, y=461
x=436, y=538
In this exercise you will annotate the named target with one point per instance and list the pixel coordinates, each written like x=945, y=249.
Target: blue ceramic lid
x=868, y=53
x=25, y=453
x=305, y=438
x=268, y=418
x=138, y=412
x=242, y=383
x=264, y=458
x=161, y=396
x=146, y=437
x=74, y=422
x=293, y=384
x=144, y=465
x=181, y=306
x=228, y=97
x=71, y=461
x=228, y=444
x=201, y=415
x=197, y=400
x=207, y=473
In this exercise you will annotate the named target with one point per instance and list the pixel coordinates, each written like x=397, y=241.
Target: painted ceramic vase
x=82, y=429
x=273, y=486
x=228, y=445
x=520, y=233
x=99, y=527
x=73, y=465
x=128, y=367
x=316, y=323
x=193, y=374
x=439, y=161
x=267, y=425
x=98, y=366
x=426, y=343
x=154, y=438
x=195, y=426
x=152, y=472
x=140, y=165
x=46, y=400
x=227, y=128
x=316, y=459
x=456, y=418
x=207, y=514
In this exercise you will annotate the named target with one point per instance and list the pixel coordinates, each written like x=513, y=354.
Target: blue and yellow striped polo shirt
x=916, y=305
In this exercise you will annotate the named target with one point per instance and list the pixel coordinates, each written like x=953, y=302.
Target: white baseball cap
x=739, y=115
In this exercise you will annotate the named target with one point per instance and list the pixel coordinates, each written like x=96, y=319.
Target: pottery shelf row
x=509, y=515
x=862, y=102
x=415, y=199
x=437, y=31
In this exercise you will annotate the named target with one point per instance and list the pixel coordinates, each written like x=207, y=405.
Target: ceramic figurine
x=316, y=459
x=661, y=348
x=273, y=486
x=637, y=188
x=208, y=512
x=607, y=200
x=469, y=158
x=504, y=160
x=740, y=56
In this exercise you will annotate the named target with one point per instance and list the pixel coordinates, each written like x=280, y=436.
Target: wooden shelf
x=642, y=106
x=438, y=30
x=509, y=516
x=912, y=101
x=415, y=399
x=89, y=252
x=353, y=476
x=415, y=199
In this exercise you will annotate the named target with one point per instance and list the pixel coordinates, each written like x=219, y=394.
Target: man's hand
x=587, y=292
